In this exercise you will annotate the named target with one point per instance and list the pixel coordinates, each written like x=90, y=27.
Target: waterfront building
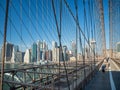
x=8, y=52
x=18, y=57
x=27, y=56
x=34, y=52
x=14, y=57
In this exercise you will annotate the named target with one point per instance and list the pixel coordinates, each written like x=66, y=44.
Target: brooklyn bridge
x=59, y=45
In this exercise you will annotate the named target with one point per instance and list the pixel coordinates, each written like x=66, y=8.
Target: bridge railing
x=47, y=77
x=90, y=75
x=117, y=61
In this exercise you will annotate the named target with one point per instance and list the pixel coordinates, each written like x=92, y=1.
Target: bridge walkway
x=109, y=80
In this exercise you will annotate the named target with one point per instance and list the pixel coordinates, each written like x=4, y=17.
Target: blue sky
x=106, y=20
x=38, y=22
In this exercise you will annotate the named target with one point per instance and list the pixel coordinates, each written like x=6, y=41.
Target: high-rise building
x=73, y=48
x=54, y=44
x=41, y=50
x=56, y=55
x=41, y=46
x=14, y=54
x=38, y=51
x=44, y=46
x=8, y=54
x=27, y=56
x=54, y=51
x=65, y=53
x=17, y=56
x=43, y=55
x=48, y=55
x=34, y=52
x=23, y=54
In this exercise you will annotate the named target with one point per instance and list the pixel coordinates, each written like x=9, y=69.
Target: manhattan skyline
x=37, y=23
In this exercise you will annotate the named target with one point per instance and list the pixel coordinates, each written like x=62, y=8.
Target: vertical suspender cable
x=59, y=36
x=10, y=16
x=4, y=46
x=85, y=23
x=91, y=31
x=94, y=34
x=76, y=7
x=21, y=21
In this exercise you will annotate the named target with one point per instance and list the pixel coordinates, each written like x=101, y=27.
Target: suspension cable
x=4, y=48
x=59, y=35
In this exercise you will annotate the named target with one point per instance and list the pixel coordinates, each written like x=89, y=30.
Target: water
x=9, y=66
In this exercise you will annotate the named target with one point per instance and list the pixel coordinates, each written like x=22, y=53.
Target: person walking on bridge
x=103, y=68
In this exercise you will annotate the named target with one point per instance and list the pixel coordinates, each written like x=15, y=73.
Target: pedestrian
x=103, y=68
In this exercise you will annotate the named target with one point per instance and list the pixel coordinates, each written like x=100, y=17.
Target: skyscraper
x=65, y=53
x=41, y=50
x=16, y=55
x=27, y=56
x=48, y=55
x=8, y=53
x=54, y=44
x=43, y=55
x=44, y=46
x=34, y=52
x=73, y=48
x=54, y=51
x=56, y=55
x=38, y=51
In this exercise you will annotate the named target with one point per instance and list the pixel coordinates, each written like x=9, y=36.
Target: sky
x=106, y=20
x=34, y=20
